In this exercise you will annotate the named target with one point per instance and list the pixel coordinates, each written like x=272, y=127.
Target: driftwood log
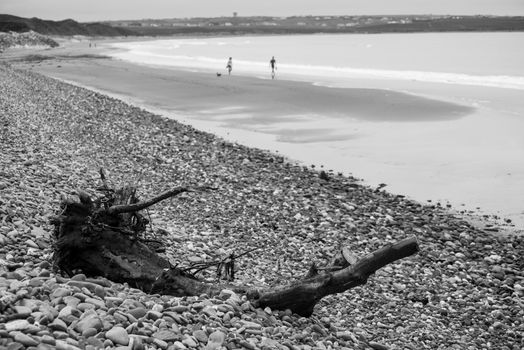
x=104, y=237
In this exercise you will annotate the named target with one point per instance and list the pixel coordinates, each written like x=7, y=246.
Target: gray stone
x=58, y=325
x=210, y=311
x=377, y=346
x=78, y=277
x=215, y=340
x=16, y=285
x=113, y=300
x=60, y=292
x=180, y=308
x=22, y=310
x=179, y=346
x=38, y=232
x=136, y=343
x=25, y=339
x=15, y=346
x=49, y=311
x=16, y=325
x=80, y=283
x=265, y=343
x=89, y=332
x=166, y=335
x=85, y=306
x=160, y=343
x=63, y=345
x=189, y=341
x=31, y=243
x=95, y=342
x=346, y=335
x=92, y=321
x=99, y=304
x=157, y=308
x=200, y=335
x=100, y=291
x=118, y=335
x=47, y=339
x=153, y=315
x=250, y=325
x=36, y=281
x=66, y=311
x=71, y=301
x=138, y=312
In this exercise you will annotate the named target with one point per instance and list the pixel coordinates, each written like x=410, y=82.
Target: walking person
x=229, y=65
x=273, y=65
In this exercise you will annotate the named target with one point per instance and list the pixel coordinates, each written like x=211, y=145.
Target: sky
x=97, y=10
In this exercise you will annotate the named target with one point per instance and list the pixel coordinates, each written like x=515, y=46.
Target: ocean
x=480, y=59
x=473, y=163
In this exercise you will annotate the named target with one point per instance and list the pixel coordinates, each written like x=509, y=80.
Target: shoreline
x=272, y=118
x=481, y=221
x=487, y=223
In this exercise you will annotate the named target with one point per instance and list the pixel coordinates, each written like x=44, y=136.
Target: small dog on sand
x=219, y=74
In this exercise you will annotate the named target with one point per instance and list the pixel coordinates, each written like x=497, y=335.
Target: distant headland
x=237, y=25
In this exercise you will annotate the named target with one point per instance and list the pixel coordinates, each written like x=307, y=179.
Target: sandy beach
x=427, y=146
x=464, y=290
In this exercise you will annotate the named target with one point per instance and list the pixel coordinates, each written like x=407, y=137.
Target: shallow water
x=480, y=59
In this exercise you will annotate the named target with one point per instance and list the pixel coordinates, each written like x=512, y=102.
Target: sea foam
x=341, y=58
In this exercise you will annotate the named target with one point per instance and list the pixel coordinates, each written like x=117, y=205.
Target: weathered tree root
x=102, y=237
x=302, y=296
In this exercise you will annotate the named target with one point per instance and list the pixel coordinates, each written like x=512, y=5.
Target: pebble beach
x=464, y=290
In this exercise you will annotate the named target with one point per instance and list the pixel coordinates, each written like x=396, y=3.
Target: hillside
x=264, y=25
x=9, y=23
x=320, y=24
x=31, y=38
